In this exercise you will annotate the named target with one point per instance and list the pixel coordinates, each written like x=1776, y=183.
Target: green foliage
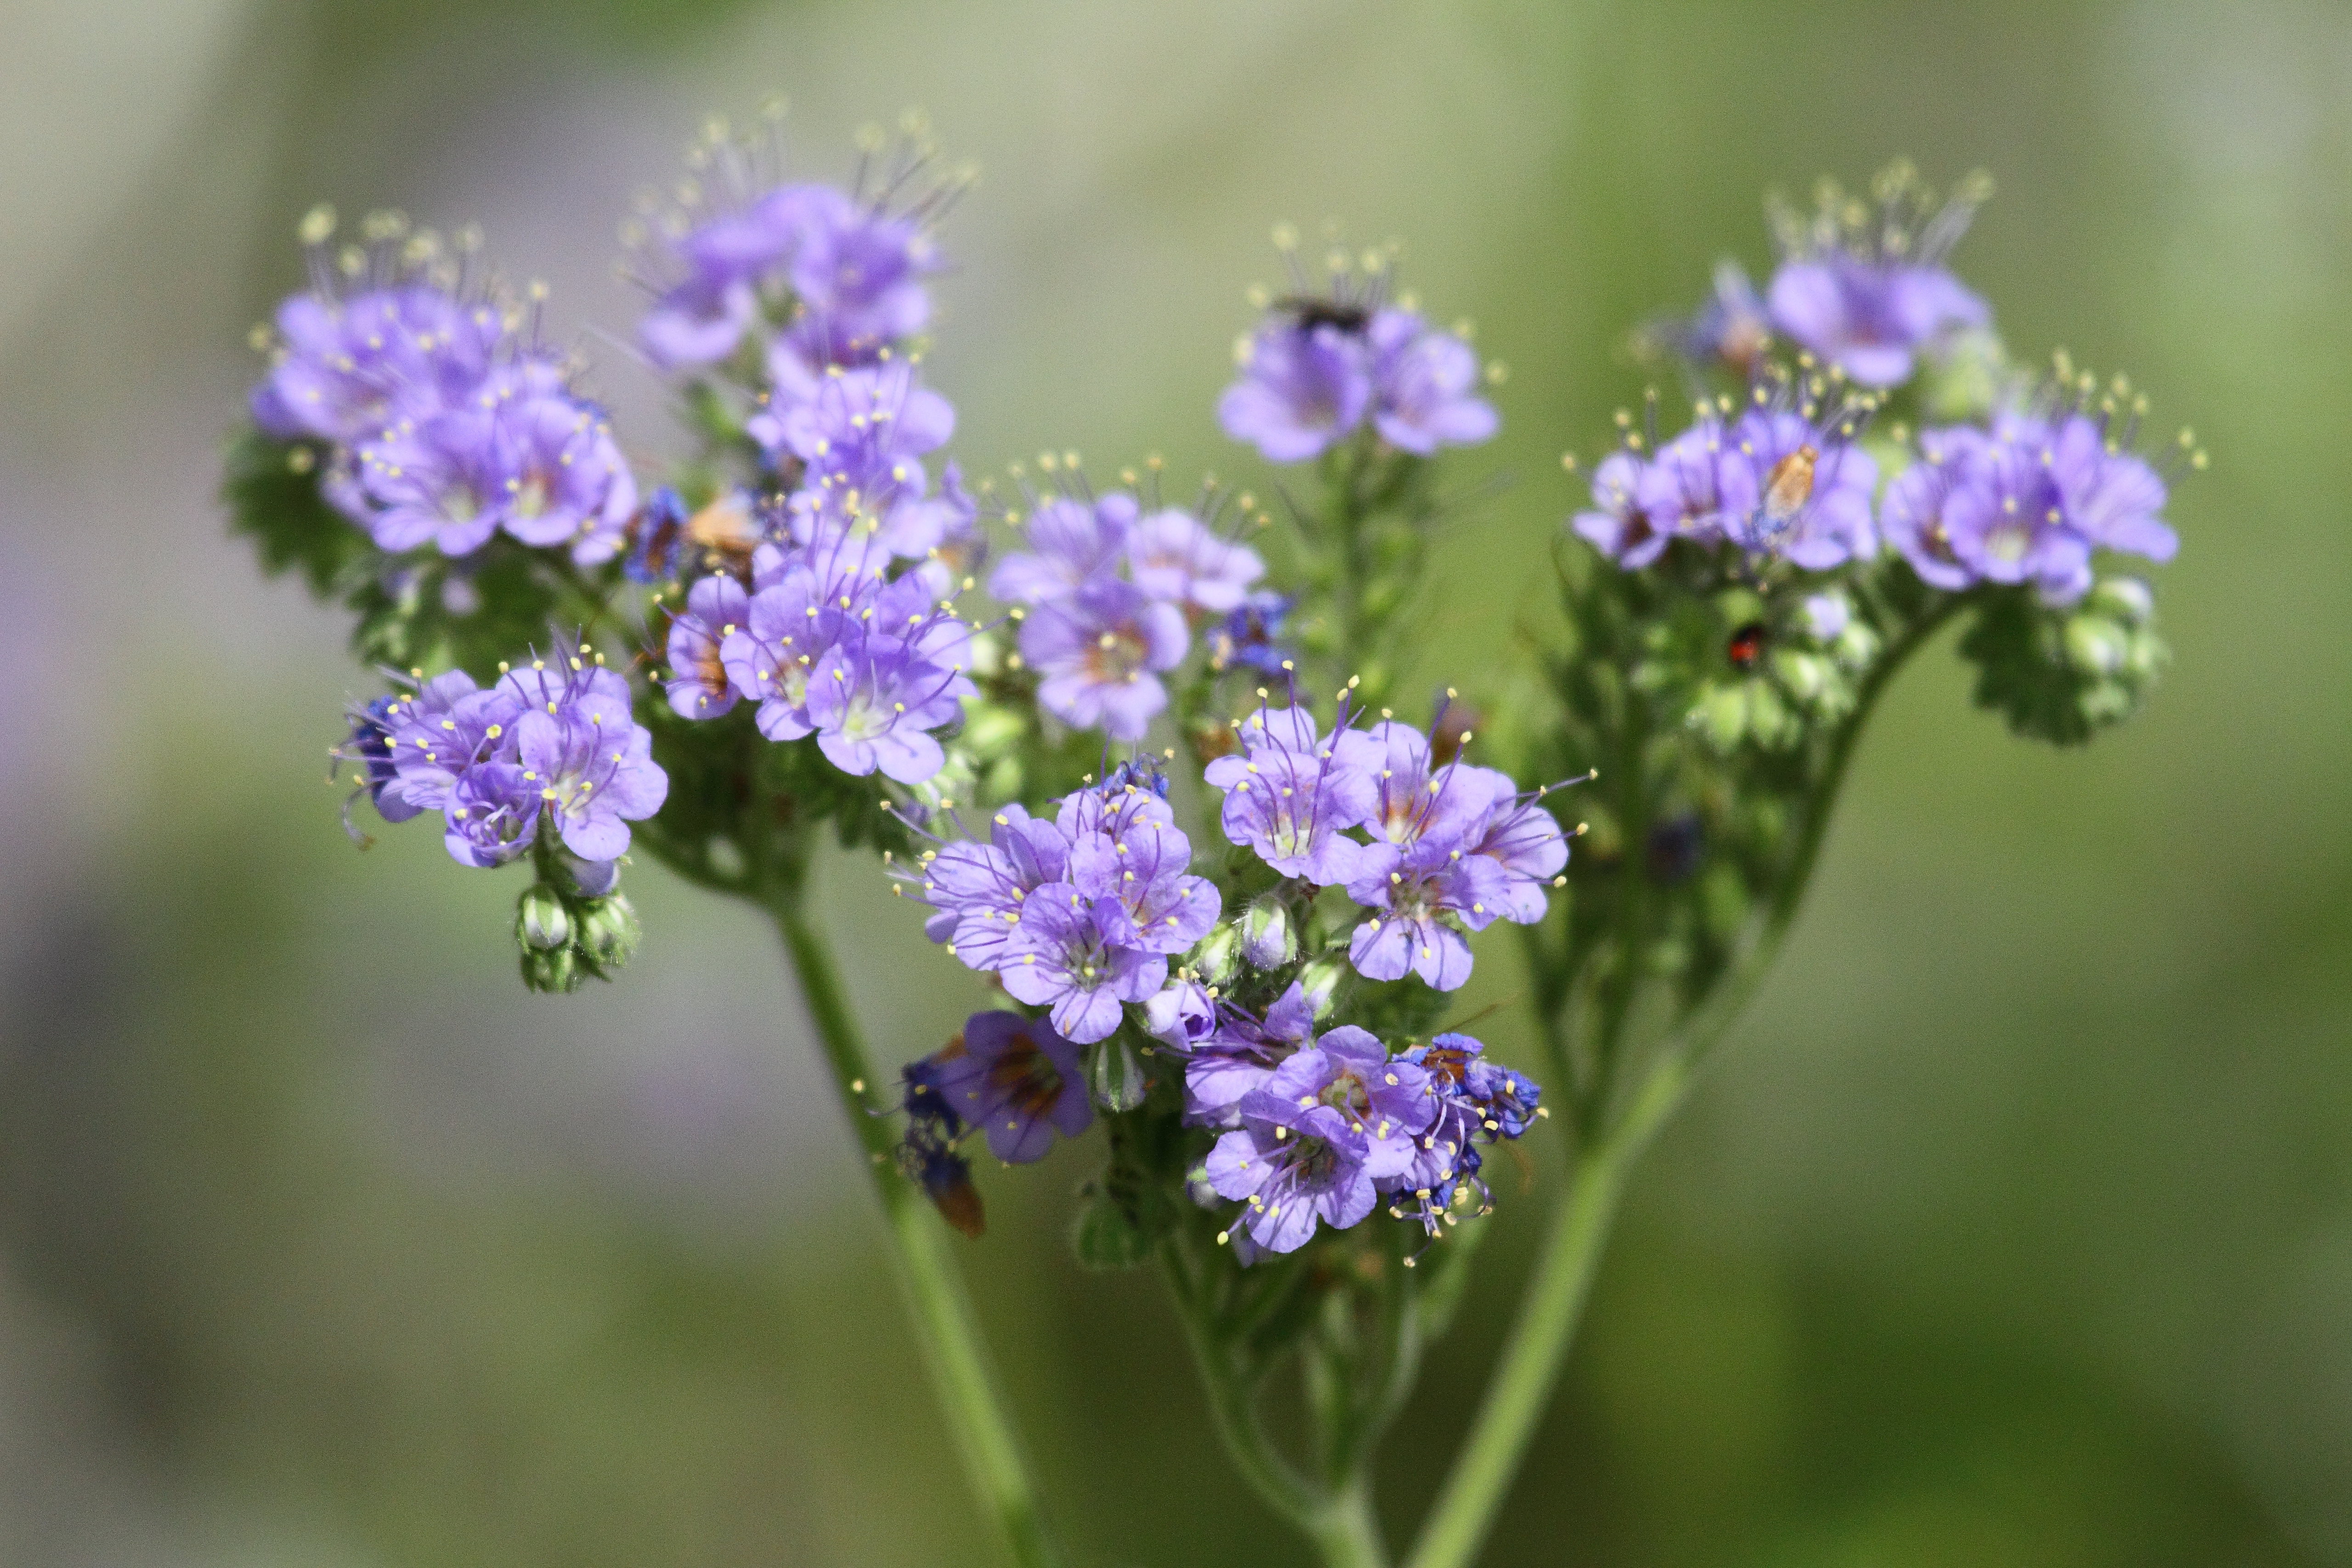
x=2062, y=675
x=272, y=490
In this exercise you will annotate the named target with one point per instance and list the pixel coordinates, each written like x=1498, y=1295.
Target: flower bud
x=992, y=732
x=1319, y=981
x=1268, y=941
x=1722, y=716
x=609, y=931
x=553, y=971
x=1116, y=1075
x=540, y=921
x=2125, y=599
x=2096, y=644
x=1218, y=954
x=1806, y=675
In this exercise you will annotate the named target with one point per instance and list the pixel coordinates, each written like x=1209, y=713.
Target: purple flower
x=977, y=889
x=1062, y=954
x=1410, y=802
x=2008, y=523
x=1696, y=487
x=1813, y=489
x=1386, y=1102
x=1073, y=544
x=1525, y=844
x=1172, y=554
x=589, y=764
x=538, y=464
x=1020, y=1082
x=699, y=685
x=442, y=731
x=369, y=746
x=1251, y=636
x=1239, y=1055
x=490, y=813
x=1181, y=1016
x=1617, y=526
x=2109, y=496
x=771, y=656
x=702, y=318
x=1099, y=652
x=1333, y=1118
x=346, y=368
x=1291, y=793
x=872, y=706
x=1422, y=892
x=1421, y=386
x=1870, y=316
x=1143, y=896
x=1303, y=388
x=862, y=429
x=861, y=268
x=1914, y=510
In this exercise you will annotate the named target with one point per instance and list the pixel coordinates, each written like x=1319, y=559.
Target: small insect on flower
x=1790, y=485
x=1308, y=313
x=1747, y=646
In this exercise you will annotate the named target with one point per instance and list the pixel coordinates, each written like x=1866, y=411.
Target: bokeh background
x=2016, y=1226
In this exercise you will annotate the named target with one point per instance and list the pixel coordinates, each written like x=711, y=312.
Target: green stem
x=951, y=1342
x=1522, y=1383
x=1346, y=1532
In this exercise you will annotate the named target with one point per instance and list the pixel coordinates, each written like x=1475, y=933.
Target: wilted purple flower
x=1020, y=1082
x=1304, y=385
x=1063, y=955
x=1422, y=385
x=1421, y=893
x=1617, y=526
x=1099, y=652
x=1251, y=636
x=1477, y=1100
x=1812, y=486
x=369, y=746
x=1072, y=543
x=1172, y=556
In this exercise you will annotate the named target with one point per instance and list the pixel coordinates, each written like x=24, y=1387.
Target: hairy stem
x=951, y=1347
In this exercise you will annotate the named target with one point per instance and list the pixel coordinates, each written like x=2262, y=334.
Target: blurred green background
x=2015, y=1229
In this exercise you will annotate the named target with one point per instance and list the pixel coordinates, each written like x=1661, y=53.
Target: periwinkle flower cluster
x=1317, y=370
x=1222, y=936
x=442, y=418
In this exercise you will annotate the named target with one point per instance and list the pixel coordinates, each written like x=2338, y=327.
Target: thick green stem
x=951, y=1342
x=1522, y=1383
x=1346, y=1532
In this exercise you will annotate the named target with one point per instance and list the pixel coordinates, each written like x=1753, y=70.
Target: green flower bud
x=1218, y=954
x=1268, y=941
x=2096, y=644
x=552, y=971
x=1805, y=675
x=2124, y=599
x=1116, y=1075
x=1319, y=981
x=992, y=731
x=609, y=931
x=540, y=919
x=1721, y=716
